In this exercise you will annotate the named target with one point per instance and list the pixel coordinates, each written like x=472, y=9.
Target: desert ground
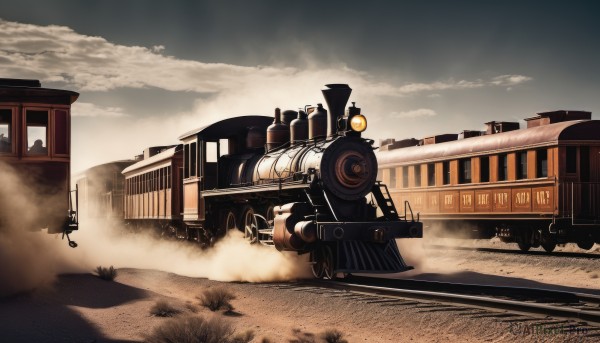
x=78, y=306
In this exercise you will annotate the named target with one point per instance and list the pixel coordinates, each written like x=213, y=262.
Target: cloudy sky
x=148, y=71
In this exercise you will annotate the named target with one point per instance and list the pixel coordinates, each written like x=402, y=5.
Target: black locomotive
x=305, y=183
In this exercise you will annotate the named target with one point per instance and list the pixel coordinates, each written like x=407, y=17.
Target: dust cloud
x=105, y=243
x=33, y=259
x=28, y=259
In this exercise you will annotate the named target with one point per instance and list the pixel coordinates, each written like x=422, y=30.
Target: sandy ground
x=84, y=308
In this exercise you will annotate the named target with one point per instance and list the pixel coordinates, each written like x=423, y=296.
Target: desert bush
x=333, y=336
x=302, y=337
x=217, y=299
x=107, y=274
x=163, y=308
x=195, y=329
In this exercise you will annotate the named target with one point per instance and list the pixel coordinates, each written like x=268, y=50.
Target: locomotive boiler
x=302, y=181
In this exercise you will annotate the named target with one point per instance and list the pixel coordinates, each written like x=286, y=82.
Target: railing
x=580, y=201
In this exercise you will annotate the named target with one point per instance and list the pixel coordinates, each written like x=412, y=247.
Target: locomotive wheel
x=269, y=213
x=316, y=267
x=524, y=246
x=228, y=222
x=549, y=246
x=249, y=224
x=328, y=263
x=585, y=244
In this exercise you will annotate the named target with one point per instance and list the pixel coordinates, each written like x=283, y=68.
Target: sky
x=148, y=71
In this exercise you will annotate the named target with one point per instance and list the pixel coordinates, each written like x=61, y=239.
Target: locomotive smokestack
x=336, y=96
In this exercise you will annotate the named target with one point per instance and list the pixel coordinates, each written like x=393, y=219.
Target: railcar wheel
x=317, y=263
x=524, y=246
x=249, y=224
x=549, y=246
x=585, y=244
x=328, y=263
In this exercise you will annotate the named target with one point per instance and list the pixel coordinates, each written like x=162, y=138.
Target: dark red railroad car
x=536, y=186
x=35, y=142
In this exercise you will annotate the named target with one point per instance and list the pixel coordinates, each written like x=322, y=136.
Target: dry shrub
x=217, y=299
x=107, y=274
x=302, y=337
x=333, y=336
x=163, y=308
x=194, y=329
x=594, y=276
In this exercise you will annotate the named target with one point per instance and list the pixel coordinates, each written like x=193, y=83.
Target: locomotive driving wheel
x=328, y=263
x=249, y=225
x=316, y=263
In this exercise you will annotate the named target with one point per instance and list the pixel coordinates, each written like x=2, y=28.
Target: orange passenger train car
x=538, y=186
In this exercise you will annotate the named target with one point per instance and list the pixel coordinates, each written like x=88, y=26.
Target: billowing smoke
x=231, y=259
x=33, y=259
x=28, y=258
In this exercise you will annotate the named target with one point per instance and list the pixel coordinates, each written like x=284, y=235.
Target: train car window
x=61, y=133
x=484, y=169
x=431, y=174
x=37, y=132
x=521, y=165
x=223, y=147
x=572, y=159
x=404, y=177
x=193, y=156
x=465, y=170
x=211, y=152
x=541, y=161
x=186, y=161
x=392, y=177
x=169, y=177
x=446, y=172
x=502, y=167
x=5, y=130
x=418, y=175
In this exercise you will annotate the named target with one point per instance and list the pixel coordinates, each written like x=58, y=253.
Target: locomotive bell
x=336, y=96
x=299, y=128
x=277, y=133
x=317, y=123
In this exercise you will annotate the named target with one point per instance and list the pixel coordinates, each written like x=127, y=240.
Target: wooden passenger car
x=536, y=186
x=35, y=141
x=152, y=188
x=101, y=193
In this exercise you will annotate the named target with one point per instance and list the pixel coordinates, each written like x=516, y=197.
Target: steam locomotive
x=302, y=181
x=35, y=146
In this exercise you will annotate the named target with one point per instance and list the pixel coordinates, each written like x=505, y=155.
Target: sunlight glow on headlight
x=358, y=123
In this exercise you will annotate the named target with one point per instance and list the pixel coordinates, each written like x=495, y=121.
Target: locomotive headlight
x=358, y=123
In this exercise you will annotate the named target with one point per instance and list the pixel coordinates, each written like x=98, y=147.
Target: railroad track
x=583, y=255
x=559, y=304
x=576, y=311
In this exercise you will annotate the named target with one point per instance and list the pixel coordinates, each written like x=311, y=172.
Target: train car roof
x=551, y=134
x=228, y=127
x=165, y=155
x=21, y=90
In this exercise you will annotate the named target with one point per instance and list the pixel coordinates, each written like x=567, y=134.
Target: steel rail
x=562, y=311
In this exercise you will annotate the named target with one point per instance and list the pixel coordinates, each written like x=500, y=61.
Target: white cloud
x=85, y=63
x=86, y=109
x=421, y=112
x=510, y=80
